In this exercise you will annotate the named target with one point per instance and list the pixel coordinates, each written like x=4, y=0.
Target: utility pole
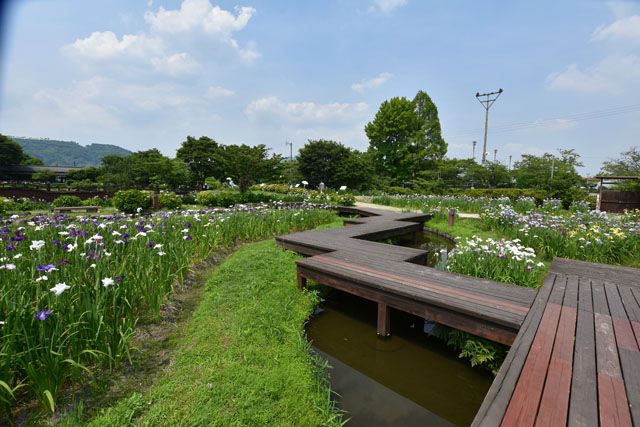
x=509, y=162
x=487, y=103
x=495, y=154
x=474, y=149
x=290, y=144
x=553, y=165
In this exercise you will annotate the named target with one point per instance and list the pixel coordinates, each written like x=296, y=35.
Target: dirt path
x=394, y=209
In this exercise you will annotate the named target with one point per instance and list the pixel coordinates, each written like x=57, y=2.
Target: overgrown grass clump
x=244, y=358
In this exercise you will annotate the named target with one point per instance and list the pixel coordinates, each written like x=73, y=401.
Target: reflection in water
x=410, y=379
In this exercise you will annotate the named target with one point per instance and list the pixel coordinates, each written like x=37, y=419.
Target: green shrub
x=211, y=182
x=399, y=190
x=189, y=199
x=128, y=201
x=345, y=199
x=169, y=200
x=6, y=204
x=97, y=201
x=67, y=201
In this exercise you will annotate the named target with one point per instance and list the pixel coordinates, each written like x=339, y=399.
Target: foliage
x=342, y=199
x=78, y=286
x=10, y=152
x=97, y=201
x=319, y=161
x=169, y=200
x=247, y=165
x=69, y=153
x=404, y=137
x=66, y=201
x=535, y=171
x=90, y=173
x=45, y=175
x=30, y=160
x=212, y=182
x=628, y=164
x=130, y=201
x=479, y=351
x=203, y=157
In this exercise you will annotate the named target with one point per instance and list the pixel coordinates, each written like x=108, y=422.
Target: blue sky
x=147, y=73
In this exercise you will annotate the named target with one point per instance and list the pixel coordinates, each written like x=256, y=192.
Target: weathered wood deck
x=575, y=355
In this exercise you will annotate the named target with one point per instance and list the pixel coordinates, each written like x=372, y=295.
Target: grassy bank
x=243, y=358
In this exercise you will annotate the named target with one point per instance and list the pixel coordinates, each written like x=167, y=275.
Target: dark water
x=409, y=379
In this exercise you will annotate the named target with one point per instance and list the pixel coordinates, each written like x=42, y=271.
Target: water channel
x=410, y=379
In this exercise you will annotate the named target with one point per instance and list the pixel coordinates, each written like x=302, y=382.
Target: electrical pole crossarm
x=487, y=103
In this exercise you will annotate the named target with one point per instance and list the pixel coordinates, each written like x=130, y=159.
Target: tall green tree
x=356, y=171
x=628, y=164
x=405, y=138
x=247, y=165
x=203, y=156
x=319, y=161
x=10, y=152
x=535, y=172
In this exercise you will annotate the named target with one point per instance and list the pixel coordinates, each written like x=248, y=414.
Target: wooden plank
x=554, y=406
x=584, y=392
x=523, y=407
x=628, y=350
x=612, y=398
x=594, y=271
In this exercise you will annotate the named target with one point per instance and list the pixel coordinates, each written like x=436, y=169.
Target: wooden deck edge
x=495, y=403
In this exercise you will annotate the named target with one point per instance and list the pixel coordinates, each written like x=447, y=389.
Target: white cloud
x=612, y=75
x=199, y=16
x=627, y=28
x=305, y=112
x=179, y=63
x=218, y=92
x=105, y=46
x=387, y=6
x=514, y=146
x=371, y=83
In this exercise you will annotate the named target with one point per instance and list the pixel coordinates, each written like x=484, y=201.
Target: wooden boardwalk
x=575, y=356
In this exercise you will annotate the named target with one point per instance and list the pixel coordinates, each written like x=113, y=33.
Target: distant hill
x=68, y=153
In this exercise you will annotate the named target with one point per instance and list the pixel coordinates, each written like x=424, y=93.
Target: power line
x=517, y=126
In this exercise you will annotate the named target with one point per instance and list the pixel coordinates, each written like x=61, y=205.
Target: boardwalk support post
x=302, y=281
x=452, y=216
x=384, y=320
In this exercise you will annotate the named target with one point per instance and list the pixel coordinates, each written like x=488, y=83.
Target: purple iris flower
x=92, y=256
x=64, y=262
x=187, y=237
x=42, y=315
x=65, y=247
x=11, y=247
x=151, y=244
x=45, y=267
x=188, y=225
x=119, y=278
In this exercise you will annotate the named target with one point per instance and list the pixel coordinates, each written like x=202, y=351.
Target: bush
x=67, y=201
x=211, y=182
x=342, y=199
x=400, y=190
x=97, y=201
x=6, y=204
x=169, y=200
x=189, y=199
x=128, y=201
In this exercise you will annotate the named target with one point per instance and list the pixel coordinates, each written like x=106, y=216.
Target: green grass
x=243, y=358
x=463, y=228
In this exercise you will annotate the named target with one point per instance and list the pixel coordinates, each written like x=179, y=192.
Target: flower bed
x=589, y=236
x=73, y=289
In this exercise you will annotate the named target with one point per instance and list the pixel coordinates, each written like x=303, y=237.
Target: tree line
x=406, y=149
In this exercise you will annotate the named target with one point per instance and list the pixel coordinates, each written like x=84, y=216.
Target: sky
x=146, y=74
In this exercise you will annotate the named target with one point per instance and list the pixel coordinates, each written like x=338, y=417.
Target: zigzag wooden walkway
x=575, y=355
